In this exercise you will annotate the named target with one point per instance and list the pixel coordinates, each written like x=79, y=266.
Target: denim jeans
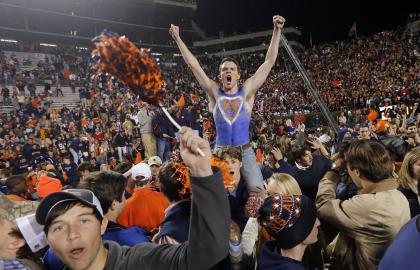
x=75, y=156
x=121, y=152
x=250, y=169
x=163, y=149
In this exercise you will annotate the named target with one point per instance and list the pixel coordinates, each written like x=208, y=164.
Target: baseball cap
x=141, y=169
x=52, y=200
x=155, y=160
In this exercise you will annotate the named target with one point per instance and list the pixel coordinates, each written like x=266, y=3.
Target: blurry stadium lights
x=8, y=40
x=156, y=54
x=82, y=48
x=177, y=54
x=47, y=45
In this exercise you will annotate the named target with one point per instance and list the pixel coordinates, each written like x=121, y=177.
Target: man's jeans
x=164, y=149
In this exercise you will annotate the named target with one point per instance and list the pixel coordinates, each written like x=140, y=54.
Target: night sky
x=326, y=20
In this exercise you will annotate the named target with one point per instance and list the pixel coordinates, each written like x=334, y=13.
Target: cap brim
x=51, y=200
x=155, y=163
x=127, y=174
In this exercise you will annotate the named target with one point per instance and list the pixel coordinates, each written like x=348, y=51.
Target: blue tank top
x=231, y=118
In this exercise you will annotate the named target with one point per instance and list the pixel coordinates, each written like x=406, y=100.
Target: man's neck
x=295, y=253
x=100, y=261
x=231, y=91
x=111, y=216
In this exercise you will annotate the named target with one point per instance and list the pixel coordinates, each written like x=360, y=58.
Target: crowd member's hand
x=189, y=143
x=315, y=143
x=278, y=155
x=340, y=163
x=174, y=31
x=278, y=22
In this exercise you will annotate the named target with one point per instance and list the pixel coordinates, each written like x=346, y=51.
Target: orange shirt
x=146, y=209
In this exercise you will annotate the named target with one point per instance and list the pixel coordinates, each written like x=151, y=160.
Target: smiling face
x=229, y=75
x=76, y=238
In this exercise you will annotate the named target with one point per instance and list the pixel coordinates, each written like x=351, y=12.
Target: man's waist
x=242, y=147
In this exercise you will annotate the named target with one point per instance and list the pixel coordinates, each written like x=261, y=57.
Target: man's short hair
x=62, y=208
x=299, y=151
x=84, y=166
x=370, y=158
x=123, y=167
x=229, y=59
x=107, y=187
x=170, y=185
x=232, y=152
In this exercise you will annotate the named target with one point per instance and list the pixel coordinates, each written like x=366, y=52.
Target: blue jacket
x=308, y=179
x=404, y=252
x=271, y=259
x=176, y=223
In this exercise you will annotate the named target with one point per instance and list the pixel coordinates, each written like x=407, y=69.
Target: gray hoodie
x=208, y=238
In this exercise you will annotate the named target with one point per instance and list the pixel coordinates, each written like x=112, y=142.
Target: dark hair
x=232, y=152
x=298, y=151
x=229, y=59
x=14, y=180
x=85, y=165
x=107, y=187
x=170, y=185
x=371, y=159
x=62, y=208
x=123, y=167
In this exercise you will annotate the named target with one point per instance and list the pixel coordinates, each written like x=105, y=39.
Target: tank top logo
x=230, y=107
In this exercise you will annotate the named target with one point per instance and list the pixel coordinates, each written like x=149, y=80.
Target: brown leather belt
x=242, y=147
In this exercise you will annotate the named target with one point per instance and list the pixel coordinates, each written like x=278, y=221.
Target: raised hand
x=278, y=155
x=189, y=143
x=174, y=31
x=278, y=22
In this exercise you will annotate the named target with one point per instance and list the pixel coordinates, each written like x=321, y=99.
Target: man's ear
x=17, y=243
x=114, y=205
x=104, y=224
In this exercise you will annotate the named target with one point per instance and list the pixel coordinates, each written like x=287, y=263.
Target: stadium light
x=82, y=48
x=47, y=45
x=156, y=54
x=8, y=40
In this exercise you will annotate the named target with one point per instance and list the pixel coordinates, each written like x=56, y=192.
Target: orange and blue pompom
x=134, y=68
x=181, y=175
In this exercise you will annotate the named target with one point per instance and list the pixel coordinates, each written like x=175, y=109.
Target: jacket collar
x=384, y=185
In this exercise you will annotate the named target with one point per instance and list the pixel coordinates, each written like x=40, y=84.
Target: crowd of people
x=112, y=170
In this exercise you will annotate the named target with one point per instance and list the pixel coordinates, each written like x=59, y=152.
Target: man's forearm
x=189, y=58
x=208, y=241
x=273, y=49
x=326, y=188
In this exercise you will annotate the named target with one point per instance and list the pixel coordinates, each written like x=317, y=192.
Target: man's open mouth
x=229, y=78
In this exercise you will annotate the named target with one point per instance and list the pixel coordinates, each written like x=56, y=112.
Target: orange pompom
x=224, y=167
x=181, y=174
x=119, y=57
x=382, y=125
x=372, y=115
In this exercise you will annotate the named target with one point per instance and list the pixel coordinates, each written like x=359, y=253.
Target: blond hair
x=283, y=183
x=406, y=177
